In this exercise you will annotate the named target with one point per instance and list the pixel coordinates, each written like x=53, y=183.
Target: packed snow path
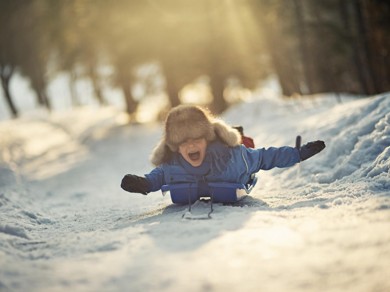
x=323, y=225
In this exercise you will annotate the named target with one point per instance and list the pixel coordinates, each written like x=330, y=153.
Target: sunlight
x=234, y=92
x=236, y=27
x=243, y=30
x=197, y=92
x=50, y=151
x=150, y=108
x=282, y=236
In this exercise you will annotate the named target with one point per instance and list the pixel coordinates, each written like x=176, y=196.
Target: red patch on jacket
x=248, y=142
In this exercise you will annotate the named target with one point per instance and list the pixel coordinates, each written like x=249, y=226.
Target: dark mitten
x=135, y=184
x=310, y=149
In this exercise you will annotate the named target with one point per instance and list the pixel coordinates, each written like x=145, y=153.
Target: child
x=198, y=148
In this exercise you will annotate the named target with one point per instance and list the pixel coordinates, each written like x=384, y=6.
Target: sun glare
x=243, y=30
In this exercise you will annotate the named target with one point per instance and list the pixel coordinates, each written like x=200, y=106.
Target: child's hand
x=310, y=149
x=135, y=184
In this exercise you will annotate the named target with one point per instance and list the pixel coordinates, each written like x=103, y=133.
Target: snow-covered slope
x=323, y=225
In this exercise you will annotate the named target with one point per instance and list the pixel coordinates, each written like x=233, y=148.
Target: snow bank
x=321, y=225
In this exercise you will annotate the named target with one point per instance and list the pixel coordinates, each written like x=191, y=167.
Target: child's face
x=193, y=151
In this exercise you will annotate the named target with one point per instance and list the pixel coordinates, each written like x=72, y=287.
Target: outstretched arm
x=283, y=156
x=278, y=157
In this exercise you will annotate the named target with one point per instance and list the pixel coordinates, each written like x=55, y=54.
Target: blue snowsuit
x=222, y=164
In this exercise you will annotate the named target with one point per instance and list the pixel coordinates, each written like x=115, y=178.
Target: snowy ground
x=323, y=225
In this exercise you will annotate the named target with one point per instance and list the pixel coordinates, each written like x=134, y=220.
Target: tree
x=6, y=72
x=127, y=42
x=33, y=60
x=76, y=37
x=9, y=47
x=213, y=38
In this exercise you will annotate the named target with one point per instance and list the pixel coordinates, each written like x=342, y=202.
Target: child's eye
x=183, y=144
x=191, y=141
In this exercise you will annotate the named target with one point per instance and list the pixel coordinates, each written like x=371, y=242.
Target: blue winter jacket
x=222, y=164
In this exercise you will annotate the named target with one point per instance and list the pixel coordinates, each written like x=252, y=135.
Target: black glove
x=310, y=149
x=135, y=184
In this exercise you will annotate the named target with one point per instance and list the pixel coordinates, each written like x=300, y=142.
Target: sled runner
x=188, y=193
x=192, y=193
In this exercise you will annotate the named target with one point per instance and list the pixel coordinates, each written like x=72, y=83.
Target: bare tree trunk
x=6, y=74
x=96, y=86
x=215, y=70
x=303, y=48
x=40, y=89
x=72, y=88
x=364, y=50
x=287, y=77
x=45, y=99
x=217, y=84
x=172, y=87
x=131, y=104
x=355, y=60
x=377, y=20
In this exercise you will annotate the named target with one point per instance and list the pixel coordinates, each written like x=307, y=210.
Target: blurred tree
x=9, y=47
x=379, y=21
x=33, y=60
x=357, y=75
x=373, y=35
x=276, y=22
x=6, y=71
x=322, y=46
x=77, y=40
x=128, y=42
x=304, y=53
x=180, y=43
x=214, y=38
x=312, y=46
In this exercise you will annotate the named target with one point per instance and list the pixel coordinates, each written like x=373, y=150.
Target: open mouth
x=194, y=156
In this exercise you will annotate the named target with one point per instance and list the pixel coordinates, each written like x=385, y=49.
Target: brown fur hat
x=187, y=121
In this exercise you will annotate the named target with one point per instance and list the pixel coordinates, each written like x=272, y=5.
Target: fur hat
x=187, y=121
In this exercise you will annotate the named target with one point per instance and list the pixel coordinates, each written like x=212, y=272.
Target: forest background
x=221, y=48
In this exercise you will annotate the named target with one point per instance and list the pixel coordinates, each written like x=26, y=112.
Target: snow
x=322, y=225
